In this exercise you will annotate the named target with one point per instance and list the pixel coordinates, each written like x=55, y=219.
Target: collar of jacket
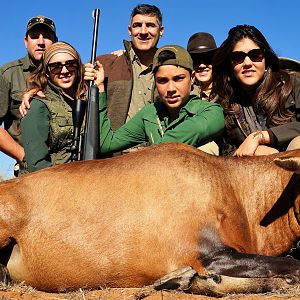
x=128, y=47
x=190, y=108
x=27, y=64
x=52, y=88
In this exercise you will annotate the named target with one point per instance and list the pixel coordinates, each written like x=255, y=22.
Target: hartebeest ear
x=291, y=163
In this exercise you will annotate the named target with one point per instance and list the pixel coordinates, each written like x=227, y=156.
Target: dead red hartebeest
x=221, y=223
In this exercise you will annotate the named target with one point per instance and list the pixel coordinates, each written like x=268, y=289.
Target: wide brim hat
x=41, y=20
x=182, y=57
x=289, y=64
x=201, y=42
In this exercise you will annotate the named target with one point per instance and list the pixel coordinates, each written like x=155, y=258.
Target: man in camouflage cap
x=40, y=32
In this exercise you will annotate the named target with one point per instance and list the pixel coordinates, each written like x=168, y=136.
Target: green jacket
x=46, y=144
x=13, y=84
x=198, y=122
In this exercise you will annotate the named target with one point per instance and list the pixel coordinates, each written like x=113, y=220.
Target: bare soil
x=25, y=292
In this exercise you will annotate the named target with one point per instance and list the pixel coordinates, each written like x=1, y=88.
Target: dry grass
x=22, y=291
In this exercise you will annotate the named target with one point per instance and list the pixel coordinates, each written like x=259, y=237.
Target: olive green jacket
x=199, y=121
x=47, y=130
x=13, y=84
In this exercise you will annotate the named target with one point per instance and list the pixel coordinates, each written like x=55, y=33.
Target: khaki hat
x=41, y=20
x=182, y=57
x=201, y=42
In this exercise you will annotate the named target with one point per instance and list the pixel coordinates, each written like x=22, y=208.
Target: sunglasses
x=202, y=59
x=56, y=67
x=256, y=55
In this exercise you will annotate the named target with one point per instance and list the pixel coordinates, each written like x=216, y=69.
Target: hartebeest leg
x=5, y=254
x=218, y=258
x=188, y=280
x=231, y=272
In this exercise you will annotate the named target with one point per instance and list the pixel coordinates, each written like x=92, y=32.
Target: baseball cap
x=182, y=57
x=40, y=20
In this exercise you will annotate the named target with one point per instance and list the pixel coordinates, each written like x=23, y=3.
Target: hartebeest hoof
x=179, y=279
x=188, y=280
x=4, y=274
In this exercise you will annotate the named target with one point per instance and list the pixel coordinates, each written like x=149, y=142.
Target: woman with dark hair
x=175, y=116
x=260, y=100
x=47, y=128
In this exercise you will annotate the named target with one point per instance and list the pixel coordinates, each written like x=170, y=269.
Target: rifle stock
x=91, y=131
x=78, y=110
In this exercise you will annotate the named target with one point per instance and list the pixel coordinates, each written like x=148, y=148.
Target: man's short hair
x=147, y=9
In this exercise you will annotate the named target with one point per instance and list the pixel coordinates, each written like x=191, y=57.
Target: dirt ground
x=28, y=293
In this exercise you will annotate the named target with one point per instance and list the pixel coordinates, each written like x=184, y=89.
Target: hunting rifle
x=89, y=148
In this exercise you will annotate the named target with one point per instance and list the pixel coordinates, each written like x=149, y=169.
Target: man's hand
x=118, y=52
x=96, y=75
x=26, y=100
x=10, y=147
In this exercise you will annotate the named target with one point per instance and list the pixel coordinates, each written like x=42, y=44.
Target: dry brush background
x=22, y=291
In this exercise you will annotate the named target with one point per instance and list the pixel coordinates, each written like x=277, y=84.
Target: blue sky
x=278, y=21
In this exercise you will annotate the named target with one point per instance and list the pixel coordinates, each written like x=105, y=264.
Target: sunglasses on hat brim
x=41, y=20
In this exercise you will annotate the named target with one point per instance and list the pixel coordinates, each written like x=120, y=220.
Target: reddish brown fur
x=126, y=221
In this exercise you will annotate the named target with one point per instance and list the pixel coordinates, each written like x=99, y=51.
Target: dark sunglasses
x=202, y=59
x=56, y=67
x=256, y=55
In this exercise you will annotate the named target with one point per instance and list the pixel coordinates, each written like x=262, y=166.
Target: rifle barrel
x=91, y=133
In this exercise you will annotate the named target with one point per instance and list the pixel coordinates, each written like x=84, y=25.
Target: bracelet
x=261, y=137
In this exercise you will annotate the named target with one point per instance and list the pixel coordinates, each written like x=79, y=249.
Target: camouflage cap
x=40, y=20
x=182, y=57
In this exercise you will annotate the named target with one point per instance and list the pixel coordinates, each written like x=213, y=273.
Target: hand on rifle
x=96, y=75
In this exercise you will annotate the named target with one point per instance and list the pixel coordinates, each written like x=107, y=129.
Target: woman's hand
x=248, y=147
x=254, y=145
x=96, y=75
